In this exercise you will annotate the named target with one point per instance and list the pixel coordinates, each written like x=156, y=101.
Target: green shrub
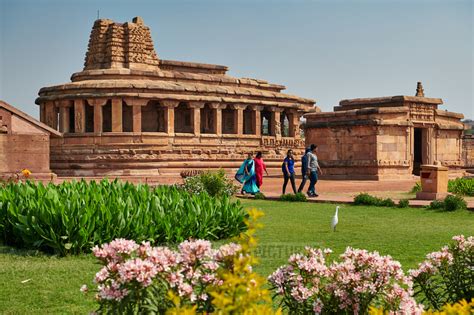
x=260, y=196
x=461, y=186
x=214, y=183
x=298, y=197
x=453, y=203
x=403, y=203
x=416, y=188
x=450, y=203
x=436, y=204
x=458, y=186
x=368, y=200
x=74, y=216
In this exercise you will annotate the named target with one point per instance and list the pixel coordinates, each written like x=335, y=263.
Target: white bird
x=334, y=220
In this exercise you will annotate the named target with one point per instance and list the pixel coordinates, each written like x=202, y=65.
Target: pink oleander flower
x=84, y=288
x=142, y=271
x=191, y=251
x=227, y=250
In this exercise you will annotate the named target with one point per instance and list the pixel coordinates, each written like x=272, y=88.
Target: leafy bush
x=214, y=183
x=312, y=284
x=453, y=202
x=458, y=186
x=259, y=196
x=403, y=203
x=416, y=188
x=298, y=197
x=450, y=203
x=446, y=276
x=461, y=186
x=368, y=200
x=140, y=279
x=74, y=216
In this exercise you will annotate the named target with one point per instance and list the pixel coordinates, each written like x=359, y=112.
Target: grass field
x=406, y=234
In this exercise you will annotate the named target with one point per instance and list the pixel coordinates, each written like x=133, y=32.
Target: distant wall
x=29, y=151
x=468, y=150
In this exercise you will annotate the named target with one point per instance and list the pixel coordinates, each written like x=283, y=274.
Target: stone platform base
x=430, y=196
x=43, y=177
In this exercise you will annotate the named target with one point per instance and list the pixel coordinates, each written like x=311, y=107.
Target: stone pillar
x=169, y=116
x=275, y=126
x=79, y=116
x=239, y=118
x=136, y=104
x=98, y=117
x=42, y=113
x=196, y=117
x=51, y=116
x=64, y=119
x=217, y=107
x=257, y=120
x=117, y=125
x=294, y=125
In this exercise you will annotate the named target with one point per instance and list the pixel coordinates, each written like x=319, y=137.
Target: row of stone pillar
x=49, y=114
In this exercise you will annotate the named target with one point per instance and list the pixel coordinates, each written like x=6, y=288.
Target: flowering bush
x=460, y=308
x=139, y=278
x=214, y=183
x=446, y=276
x=308, y=284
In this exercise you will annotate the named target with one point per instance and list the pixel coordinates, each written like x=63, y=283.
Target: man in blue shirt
x=288, y=169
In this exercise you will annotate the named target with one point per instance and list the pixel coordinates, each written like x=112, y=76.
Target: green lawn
x=406, y=234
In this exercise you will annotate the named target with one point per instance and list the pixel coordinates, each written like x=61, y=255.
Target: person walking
x=312, y=170
x=304, y=167
x=259, y=168
x=246, y=176
x=288, y=169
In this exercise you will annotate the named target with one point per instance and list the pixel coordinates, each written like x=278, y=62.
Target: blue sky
x=325, y=50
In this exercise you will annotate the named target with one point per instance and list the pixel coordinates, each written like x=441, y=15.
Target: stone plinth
x=434, y=182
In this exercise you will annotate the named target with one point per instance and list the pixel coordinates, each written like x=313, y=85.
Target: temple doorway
x=418, y=150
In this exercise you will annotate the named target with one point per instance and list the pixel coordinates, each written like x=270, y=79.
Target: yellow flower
x=26, y=173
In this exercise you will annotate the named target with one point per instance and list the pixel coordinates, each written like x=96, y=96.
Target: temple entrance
x=417, y=150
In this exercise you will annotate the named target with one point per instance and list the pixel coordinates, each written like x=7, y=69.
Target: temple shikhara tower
x=130, y=113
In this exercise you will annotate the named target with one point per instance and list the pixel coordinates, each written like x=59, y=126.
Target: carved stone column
x=169, y=116
x=98, y=117
x=196, y=117
x=294, y=125
x=257, y=119
x=239, y=118
x=79, y=116
x=51, y=115
x=117, y=120
x=275, y=126
x=217, y=116
x=136, y=104
x=64, y=119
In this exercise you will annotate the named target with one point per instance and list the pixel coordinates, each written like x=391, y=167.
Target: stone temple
x=387, y=137
x=130, y=113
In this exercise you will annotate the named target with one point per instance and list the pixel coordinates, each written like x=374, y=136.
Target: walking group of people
x=250, y=173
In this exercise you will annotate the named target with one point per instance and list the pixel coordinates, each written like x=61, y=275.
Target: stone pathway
x=334, y=191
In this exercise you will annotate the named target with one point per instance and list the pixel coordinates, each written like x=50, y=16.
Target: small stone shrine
x=24, y=144
x=130, y=113
x=386, y=137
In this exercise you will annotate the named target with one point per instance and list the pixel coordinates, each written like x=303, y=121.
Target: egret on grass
x=334, y=220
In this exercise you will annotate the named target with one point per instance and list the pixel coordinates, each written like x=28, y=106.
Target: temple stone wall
x=386, y=137
x=468, y=151
x=24, y=143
